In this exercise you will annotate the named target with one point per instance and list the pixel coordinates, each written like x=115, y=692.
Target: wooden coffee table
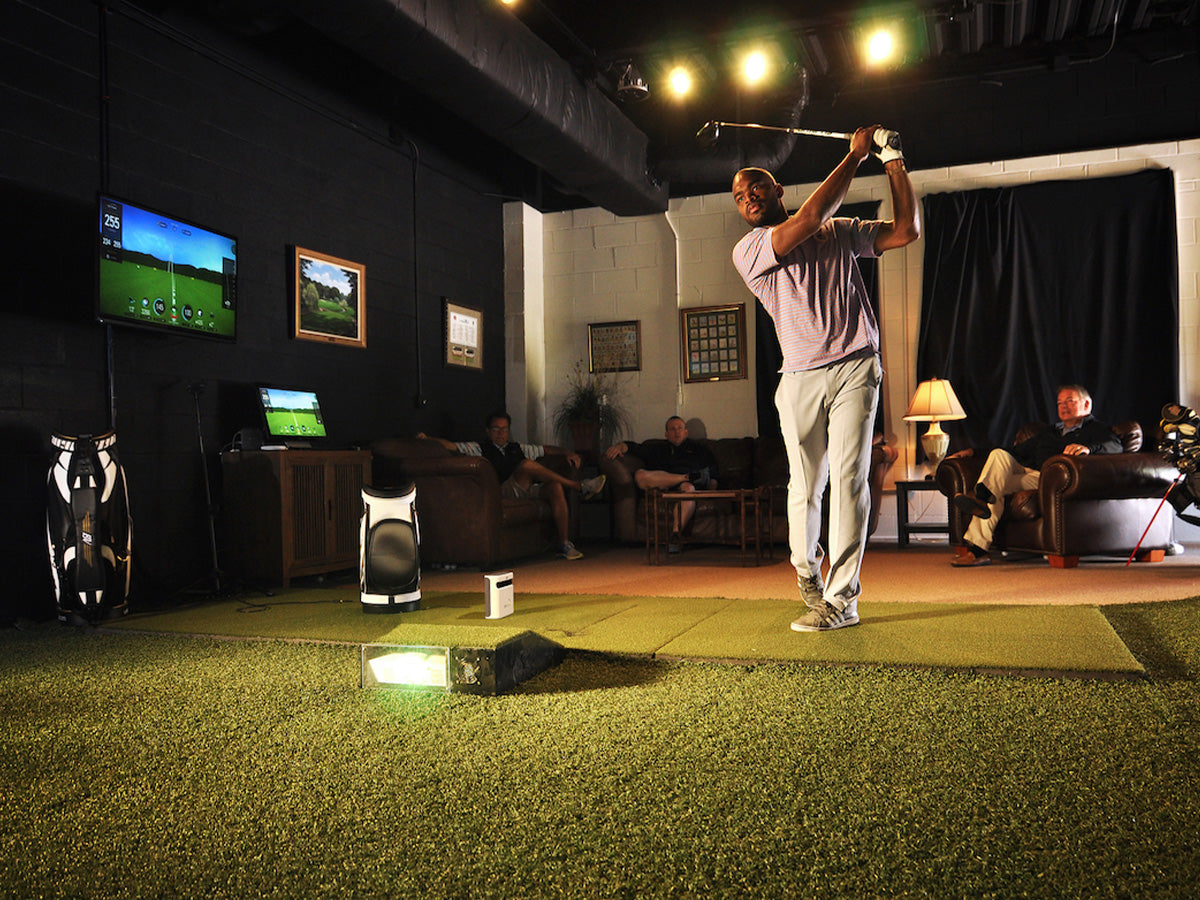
x=753, y=506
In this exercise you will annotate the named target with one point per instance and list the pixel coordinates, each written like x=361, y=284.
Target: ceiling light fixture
x=754, y=67
x=630, y=83
x=881, y=47
x=680, y=81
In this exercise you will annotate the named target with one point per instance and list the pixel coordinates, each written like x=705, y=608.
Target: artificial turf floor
x=950, y=635
x=167, y=765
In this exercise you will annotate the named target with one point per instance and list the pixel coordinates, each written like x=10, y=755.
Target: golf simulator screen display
x=291, y=415
x=155, y=271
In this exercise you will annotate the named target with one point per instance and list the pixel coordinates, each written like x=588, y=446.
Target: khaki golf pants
x=827, y=417
x=1002, y=475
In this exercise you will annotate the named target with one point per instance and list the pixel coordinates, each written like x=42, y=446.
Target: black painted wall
x=203, y=128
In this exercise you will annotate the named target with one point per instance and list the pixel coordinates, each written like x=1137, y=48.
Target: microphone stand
x=196, y=389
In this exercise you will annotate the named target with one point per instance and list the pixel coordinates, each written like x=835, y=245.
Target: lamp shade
x=934, y=401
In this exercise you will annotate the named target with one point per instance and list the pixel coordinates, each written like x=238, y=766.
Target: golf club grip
x=830, y=134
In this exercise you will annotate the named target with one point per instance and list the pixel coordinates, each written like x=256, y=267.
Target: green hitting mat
x=1050, y=639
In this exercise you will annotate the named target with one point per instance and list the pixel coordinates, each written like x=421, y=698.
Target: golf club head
x=1175, y=412
x=708, y=134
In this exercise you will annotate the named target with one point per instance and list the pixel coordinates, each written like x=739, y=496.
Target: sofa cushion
x=522, y=512
x=735, y=460
x=770, y=461
x=1130, y=433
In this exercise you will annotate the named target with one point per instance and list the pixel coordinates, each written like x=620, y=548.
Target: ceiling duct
x=721, y=162
x=486, y=67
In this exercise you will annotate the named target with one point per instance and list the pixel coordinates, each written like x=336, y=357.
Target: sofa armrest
x=474, y=468
x=1105, y=476
x=466, y=483
x=958, y=475
x=458, y=506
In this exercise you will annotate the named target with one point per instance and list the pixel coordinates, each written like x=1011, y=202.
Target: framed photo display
x=714, y=342
x=614, y=346
x=329, y=302
x=464, y=336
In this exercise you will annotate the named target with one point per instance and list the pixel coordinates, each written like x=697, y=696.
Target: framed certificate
x=464, y=336
x=615, y=346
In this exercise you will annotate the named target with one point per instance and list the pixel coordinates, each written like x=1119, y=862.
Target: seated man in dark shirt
x=679, y=465
x=522, y=476
x=1076, y=433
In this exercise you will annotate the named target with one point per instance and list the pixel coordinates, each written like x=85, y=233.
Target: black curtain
x=767, y=355
x=1026, y=288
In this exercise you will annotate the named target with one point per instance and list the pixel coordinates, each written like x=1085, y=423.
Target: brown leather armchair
x=1094, y=505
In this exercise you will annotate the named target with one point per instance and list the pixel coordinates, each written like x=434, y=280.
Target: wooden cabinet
x=287, y=513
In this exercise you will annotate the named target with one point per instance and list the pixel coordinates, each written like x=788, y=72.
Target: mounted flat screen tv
x=291, y=417
x=160, y=272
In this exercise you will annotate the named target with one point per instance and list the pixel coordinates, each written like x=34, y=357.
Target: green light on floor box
x=466, y=670
x=417, y=668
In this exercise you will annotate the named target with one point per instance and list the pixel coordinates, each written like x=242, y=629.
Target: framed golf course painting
x=330, y=299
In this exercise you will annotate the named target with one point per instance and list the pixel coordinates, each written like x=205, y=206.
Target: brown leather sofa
x=1095, y=505
x=742, y=462
x=463, y=519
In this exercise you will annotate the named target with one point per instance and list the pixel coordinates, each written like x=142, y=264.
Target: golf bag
x=389, y=550
x=1180, y=445
x=88, y=529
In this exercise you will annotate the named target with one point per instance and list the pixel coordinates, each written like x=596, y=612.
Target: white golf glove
x=887, y=145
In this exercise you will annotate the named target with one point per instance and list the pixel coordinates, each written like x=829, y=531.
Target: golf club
x=708, y=135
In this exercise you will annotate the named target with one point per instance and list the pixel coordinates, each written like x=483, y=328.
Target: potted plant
x=589, y=415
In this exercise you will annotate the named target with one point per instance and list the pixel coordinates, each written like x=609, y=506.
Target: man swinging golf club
x=803, y=269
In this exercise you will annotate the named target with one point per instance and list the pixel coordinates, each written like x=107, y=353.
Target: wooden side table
x=290, y=513
x=903, y=527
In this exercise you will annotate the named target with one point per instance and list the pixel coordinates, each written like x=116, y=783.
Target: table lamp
x=934, y=401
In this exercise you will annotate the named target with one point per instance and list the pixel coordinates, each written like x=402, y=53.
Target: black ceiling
x=944, y=40
x=980, y=79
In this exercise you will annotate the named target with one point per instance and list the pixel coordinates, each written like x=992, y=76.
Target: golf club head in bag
x=1180, y=445
x=88, y=529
